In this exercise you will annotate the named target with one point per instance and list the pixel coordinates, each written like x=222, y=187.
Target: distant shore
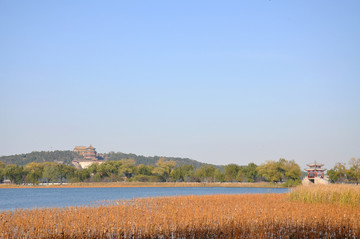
x=145, y=184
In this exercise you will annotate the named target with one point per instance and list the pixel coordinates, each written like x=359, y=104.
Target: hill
x=43, y=156
x=68, y=156
x=140, y=159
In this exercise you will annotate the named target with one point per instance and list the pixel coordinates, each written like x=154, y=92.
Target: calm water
x=11, y=199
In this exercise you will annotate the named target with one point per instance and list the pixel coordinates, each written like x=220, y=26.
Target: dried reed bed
x=334, y=193
x=216, y=216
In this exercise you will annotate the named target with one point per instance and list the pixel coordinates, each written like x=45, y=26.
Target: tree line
x=163, y=171
x=340, y=173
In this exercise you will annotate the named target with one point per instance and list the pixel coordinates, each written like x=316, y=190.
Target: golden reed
x=340, y=194
x=215, y=216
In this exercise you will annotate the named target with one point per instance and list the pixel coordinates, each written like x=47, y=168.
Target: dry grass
x=336, y=194
x=215, y=216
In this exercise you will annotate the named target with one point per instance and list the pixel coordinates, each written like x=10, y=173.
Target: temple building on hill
x=80, y=150
x=315, y=174
x=87, y=156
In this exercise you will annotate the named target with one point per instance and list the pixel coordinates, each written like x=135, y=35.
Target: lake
x=20, y=198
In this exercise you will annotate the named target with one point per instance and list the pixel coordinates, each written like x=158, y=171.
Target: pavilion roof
x=315, y=169
x=315, y=164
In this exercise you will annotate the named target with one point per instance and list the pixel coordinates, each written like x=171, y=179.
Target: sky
x=216, y=81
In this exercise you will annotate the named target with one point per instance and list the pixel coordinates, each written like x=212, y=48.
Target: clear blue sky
x=216, y=81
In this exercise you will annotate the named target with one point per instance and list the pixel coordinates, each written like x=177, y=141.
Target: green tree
x=146, y=170
x=110, y=170
x=164, y=168
x=205, y=173
x=278, y=171
x=127, y=168
x=2, y=175
x=107, y=169
x=80, y=175
x=64, y=173
x=2, y=172
x=219, y=176
x=97, y=177
x=341, y=171
x=60, y=172
x=50, y=172
x=15, y=174
x=241, y=177
x=34, y=172
x=183, y=173
x=333, y=176
x=270, y=171
x=251, y=172
x=354, y=170
x=292, y=170
x=231, y=172
x=92, y=169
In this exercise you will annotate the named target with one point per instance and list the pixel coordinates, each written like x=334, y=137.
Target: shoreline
x=145, y=184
